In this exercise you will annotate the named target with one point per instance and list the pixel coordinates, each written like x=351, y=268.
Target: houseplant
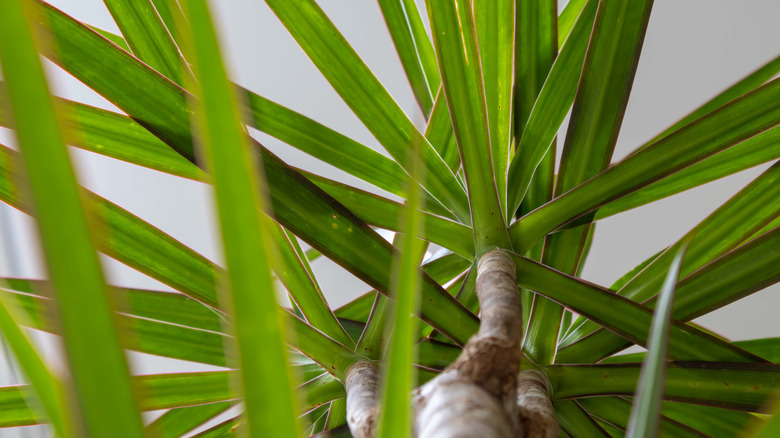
x=471, y=125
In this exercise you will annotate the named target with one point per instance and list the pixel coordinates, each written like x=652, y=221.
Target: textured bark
x=362, y=385
x=477, y=395
x=536, y=413
x=482, y=394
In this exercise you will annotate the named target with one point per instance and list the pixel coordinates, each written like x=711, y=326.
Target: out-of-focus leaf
x=179, y=421
x=100, y=376
x=48, y=392
x=239, y=189
x=646, y=411
x=399, y=374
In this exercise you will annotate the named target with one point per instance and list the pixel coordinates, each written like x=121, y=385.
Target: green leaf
x=294, y=272
x=147, y=36
x=772, y=426
x=248, y=288
x=297, y=204
x=179, y=421
x=48, y=389
x=399, y=375
x=100, y=376
x=646, y=410
x=381, y=212
x=626, y=318
x=707, y=420
x=423, y=44
x=537, y=48
x=439, y=132
x=728, y=226
x=367, y=98
x=550, y=108
x=747, y=116
x=494, y=21
x=568, y=17
x=756, y=150
x=442, y=270
x=326, y=144
x=741, y=386
x=602, y=95
x=576, y=421
x=167, y=391
x=616, y=411
x=734, y=275
x=462, y=81
x=403, y=39
x=187, y=330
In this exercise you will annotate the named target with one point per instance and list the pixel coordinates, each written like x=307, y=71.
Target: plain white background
x=693, y=50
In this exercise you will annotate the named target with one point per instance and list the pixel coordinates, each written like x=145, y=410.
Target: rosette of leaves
x=501, y=323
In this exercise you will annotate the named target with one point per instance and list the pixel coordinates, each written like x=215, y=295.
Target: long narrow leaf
x=551, y=106
x=100, y=376
x=148, y=37
x=574, y=420
x=249, y=288
x=730, y=124
x=728, y=226
x=597, y=114
x=297, y=204
x=399, y=374
x=626, y=318
x=367, y=98
x=296, y=275
x=462, y=81
x=616, y=411
x=179, y=421
x=646, y=411
x=494, y=21
x=48, y=389
x=736, y=274
x=744, y=387
x=378, y=211
x=401, y=33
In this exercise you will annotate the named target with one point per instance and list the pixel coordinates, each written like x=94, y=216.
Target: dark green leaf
x=367, y=98
x=742, y=118
x=729, y=385
x=462, y=80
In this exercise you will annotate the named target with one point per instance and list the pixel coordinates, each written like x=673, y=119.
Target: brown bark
x=482, y=394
